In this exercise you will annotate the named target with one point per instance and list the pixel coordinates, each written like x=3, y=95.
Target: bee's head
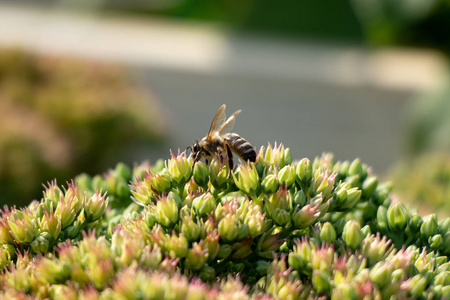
x=195, y=150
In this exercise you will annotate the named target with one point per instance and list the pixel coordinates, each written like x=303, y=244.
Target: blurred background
x=85, y=84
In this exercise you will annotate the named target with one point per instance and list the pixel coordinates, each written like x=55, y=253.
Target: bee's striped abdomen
x=240, y=146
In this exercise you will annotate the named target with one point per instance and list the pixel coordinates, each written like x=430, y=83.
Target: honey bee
x=219, y=141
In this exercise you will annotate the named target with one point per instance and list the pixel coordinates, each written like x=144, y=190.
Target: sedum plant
x=274, y=229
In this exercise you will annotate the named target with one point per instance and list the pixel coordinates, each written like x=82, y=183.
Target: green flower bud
x=287, y=176
x=443, y=268
x=70, y=232
x=180, y=168
x=435, y=241
x=201, y=174
x=397, y=216
x=342, y=168
x=355, y=168
x=442, y=279
x=84, y=182
x=397, y=275
x=247, y=179
x=52, y=271
x=190, y=229
x=241, y=249
x=281, y=217
x=196, y=257
x=417, y=285
x=380, y=273
x=300, y=257
x=177, y=246
x=40, y=244
x=95, y=206
x=5, y=256
x=415, y=222
x=440, y=260
x=344, y=291
x=261, y=267
x=270, y=184
x=211, y=244
x=425, y=263
x=23, y=226
x=218, y=174
x=444, y=225
x=304, y=171
x=354, y=181
x=306, y=216
x=375, y=248
x=369, y=186
x=111, y=182
x=204, y=204
x=299, y=199
x=122, y=171
x=99, y=184
x=277, y=156
x=380, y=195
x=224, y=251
x=5, y=232
x=321, y=281
x=67, y=211
x=353, y=196
x=229, y=228
x=446, y=243
x=366, y=231
x=256, y=222
x=166, y=211
x=429, y=226
x=267, y=244
x=123, y=190
x=101, y=273
x=207, y=274
x=52, y=192
x=162, y=182
x=382, y=220
x=340, y=196
x=322, y=258
x=352, y=234
x=143, y=193
x=327, y=233
x=280, y=200
x=323, y=182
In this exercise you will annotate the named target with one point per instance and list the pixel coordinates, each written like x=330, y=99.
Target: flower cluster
x=59, y=216
x=274, y=229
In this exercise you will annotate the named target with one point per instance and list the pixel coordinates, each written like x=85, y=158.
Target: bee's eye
x=196, y=148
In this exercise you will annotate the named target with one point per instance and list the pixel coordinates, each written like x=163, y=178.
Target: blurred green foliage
x=428, y=122
x=374, y=22
x=59, y=117
x=424, y=182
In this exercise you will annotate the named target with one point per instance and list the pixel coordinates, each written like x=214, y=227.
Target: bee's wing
x=229, y=124
x=217, y=121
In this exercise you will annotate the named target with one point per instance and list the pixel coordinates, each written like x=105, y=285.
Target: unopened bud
x=429, y=226
x=204, y=204
x=304, y=171
x=328, y=233
x=352, y=234
x=201, y=174
x=270, y=184
x=397, y=216
x=287, y=176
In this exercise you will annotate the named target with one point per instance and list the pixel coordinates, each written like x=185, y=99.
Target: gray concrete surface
x=311, y=97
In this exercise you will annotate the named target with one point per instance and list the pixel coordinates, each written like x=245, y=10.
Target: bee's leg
x=206, y=161
x=230, y=158
x=220, y=155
